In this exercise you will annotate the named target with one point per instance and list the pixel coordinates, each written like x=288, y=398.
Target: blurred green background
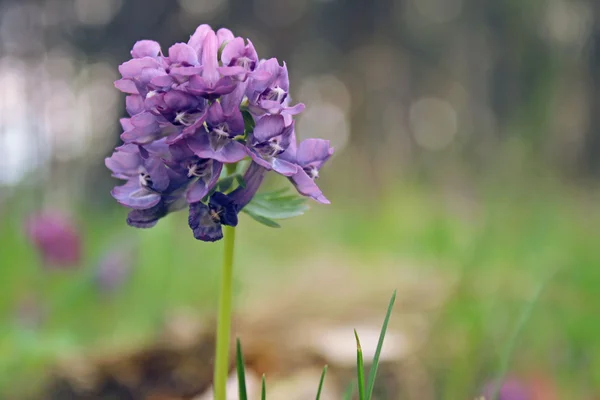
x=467, y=137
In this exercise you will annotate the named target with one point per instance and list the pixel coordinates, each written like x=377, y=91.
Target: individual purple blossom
x=209, y=83
x=269, y=139
x=268, y=91
x=206, y=220
x=202, y=173
x=216, y=141
x=309, y=156
x=55, y=237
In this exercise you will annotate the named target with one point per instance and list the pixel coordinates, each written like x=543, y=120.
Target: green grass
x=501, y=246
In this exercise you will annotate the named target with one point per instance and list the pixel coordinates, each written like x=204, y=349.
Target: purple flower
x=268, y=91
x=217, y=142
x=239, y=59
x=145, y=173
x=209, y=83
x=55, y=237
x=189, y=113
x=202, y=174
x=271, y=138
x=206, y=220
x=309, y=156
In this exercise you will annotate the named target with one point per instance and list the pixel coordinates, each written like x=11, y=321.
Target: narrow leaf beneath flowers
x=263, y=220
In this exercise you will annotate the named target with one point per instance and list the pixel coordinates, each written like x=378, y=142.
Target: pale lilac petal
x=126, y=86
x=283, y=167
x=196, y=191
x=123, y=164
x=134, y=104
x=231, y=71
x=314, y=151
x=258, y=159
x=162, y=80
x=268, y=127
x=294, y=110
x=210, y=46
x=197, y=39
x=215, y=114
x=290, y=154
x=133, y=195
x=233, y=49
x=307, y=187
x=181, y=53
x=126, y=124
x=224, y=35
x=133, y=68
x=186, y=71
x=145, y=48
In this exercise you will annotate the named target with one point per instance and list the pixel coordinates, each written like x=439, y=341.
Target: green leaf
x=276, y=205
x=225, y=183
x=349, y=392
x=249, y=123
x=360, y=368
x=375, y=363
x=321, y=382
x=241, y=373
x=263, y=392
x=240, y=181
x=263, y=220
x=275, y=212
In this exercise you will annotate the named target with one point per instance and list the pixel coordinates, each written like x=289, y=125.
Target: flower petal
x=145, y=48
x=183, y=54
x=268, y=127
x=132, y=195
x=314, y=151
x=202, y=224
x=307, y=187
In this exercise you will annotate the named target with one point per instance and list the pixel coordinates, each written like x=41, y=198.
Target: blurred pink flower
x=56, y=238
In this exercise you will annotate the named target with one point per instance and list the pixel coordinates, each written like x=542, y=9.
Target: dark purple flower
x=56, y=238
x=202, y=174
x=206, y=220
x=309, y=156
x=216, y=141
x=271, y=138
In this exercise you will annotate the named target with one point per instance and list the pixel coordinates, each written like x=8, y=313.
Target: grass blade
x=263, y=392
x=321, y=382
x=241, y=372
x=375, y=363
x=360, y=368
x=512, y=342
x=349, y=392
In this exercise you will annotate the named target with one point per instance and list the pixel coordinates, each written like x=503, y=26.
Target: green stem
x=224, y=322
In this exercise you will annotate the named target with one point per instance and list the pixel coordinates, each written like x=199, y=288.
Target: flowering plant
x=207, y=104
x=196, y=116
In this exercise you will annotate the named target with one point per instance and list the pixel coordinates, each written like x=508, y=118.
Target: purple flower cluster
x=207, y=103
